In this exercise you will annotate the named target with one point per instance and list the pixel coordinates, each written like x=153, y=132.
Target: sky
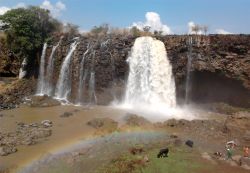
x=170, y=16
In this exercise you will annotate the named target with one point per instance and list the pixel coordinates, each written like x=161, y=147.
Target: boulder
x=135, y=120
x=245, y=162
x=66, y=114
x=6, y=150
x=47, y=123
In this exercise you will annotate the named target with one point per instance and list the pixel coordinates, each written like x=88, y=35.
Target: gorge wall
x=219, y=71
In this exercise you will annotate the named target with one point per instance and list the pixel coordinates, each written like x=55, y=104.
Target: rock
x=66, y=114
x=245, y=162
x=40, y=133
x=100, y=122
x=43, y=101
x=206, y=156
x=246, y=136
x=103, y=125
x=135, y=120
x=47, y=123
x=189, y=143
x=28, y=141
x=6, y=150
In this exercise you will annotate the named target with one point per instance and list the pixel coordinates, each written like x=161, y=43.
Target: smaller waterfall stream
x=92, y=95
x=49, y=72
x=188, y=76
x=82, y=77
x=41, y=78
x=63, y=87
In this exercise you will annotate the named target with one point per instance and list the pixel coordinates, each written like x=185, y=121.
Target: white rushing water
x=63, y=87
x=22, y=71
x=48, y=87
x=41, y=77
x=150, y=82
x=92, y=96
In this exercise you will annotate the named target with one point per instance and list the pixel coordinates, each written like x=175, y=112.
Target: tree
x=26, y=30
x=146, y=28
x=196, y=29
x=205, y=29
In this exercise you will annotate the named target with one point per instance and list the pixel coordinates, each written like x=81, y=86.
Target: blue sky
x=227, y=15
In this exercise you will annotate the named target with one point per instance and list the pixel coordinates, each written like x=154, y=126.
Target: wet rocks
x=103, y=125
x=25, y=134
x=6, y=150
x=66, y=114
x=135, y=120
x=43, y=101
x=47, y=123
x=13, y=94
x=245, y=162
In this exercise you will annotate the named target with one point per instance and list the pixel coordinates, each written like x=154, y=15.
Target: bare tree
x=146, y=28
x=205, y=29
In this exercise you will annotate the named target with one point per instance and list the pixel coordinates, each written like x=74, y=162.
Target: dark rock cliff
x=220, y=70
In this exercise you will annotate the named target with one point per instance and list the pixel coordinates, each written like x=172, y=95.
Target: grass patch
x=180, y=160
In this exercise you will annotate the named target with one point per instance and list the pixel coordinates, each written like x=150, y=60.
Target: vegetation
x=180, y=160
x=27, y=29
x=200, y=28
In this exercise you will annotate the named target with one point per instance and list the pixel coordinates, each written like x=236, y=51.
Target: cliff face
x=220, y=67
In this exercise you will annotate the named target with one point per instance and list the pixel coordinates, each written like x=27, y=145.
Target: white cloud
x=56, y=9
x=154, y=21
x=3, y=10
x=222, y=31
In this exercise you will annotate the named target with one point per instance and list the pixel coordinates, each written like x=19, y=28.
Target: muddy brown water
x=65, y=131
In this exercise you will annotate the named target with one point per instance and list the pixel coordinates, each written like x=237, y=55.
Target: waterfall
x=22, y=71
x=41, y=77
x=63, y=87
x=49, y=72
x=92, y=96
x=82, y=77
x=114, y=83
x=189, y=65
x=150, y=81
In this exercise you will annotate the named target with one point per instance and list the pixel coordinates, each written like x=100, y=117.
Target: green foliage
x=27, y=29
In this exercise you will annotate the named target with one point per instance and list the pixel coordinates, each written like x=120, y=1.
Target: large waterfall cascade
x=41, y=78
x=188, y=76
x=63, y=87
x=150, y=81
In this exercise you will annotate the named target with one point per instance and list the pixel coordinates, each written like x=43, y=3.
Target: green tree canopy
x=27, y=29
